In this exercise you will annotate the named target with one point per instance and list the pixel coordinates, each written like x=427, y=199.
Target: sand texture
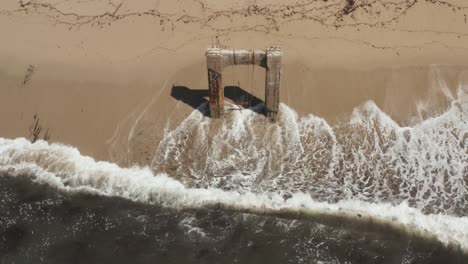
x=109, y=77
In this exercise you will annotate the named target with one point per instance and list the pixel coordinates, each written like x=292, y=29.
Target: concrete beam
x=244, y=57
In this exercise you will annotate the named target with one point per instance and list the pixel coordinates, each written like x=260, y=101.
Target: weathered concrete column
x=272, y=81
x=214, y=59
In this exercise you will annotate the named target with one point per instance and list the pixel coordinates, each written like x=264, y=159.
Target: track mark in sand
x=268, y=18
x=29, y=73
x=333, y=14
x=394, y=48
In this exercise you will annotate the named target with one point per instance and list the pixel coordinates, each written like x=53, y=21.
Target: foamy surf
x=370, y=158
x=64, y=168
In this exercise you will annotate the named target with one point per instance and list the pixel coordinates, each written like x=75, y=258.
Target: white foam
x=372, y=158
x=63, y=167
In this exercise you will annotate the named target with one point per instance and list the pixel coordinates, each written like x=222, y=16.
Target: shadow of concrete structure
x=192, y=97
x=241, y=97
x=197, y=97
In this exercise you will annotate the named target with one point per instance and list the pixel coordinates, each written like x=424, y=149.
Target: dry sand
x=99, y=74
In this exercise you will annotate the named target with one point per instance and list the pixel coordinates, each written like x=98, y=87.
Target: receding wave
x=368, y=158
x=367, y=168
x=65, y=168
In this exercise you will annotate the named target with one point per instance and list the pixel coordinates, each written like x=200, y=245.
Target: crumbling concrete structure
x=218, y=59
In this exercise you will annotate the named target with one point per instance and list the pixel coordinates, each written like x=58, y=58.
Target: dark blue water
x=39, y=224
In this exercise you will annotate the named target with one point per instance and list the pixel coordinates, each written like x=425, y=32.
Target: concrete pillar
x=214, y=58
x=272, y=81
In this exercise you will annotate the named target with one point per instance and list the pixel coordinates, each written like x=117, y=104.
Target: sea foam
x=64, y=168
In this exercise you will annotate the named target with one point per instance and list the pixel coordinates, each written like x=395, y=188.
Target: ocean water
x=245, y=190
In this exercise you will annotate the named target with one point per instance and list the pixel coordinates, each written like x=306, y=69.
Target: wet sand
x=100, y=75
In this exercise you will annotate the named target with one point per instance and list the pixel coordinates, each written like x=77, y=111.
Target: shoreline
x=90, y=71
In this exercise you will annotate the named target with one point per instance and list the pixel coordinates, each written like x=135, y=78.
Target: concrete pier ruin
x=218, y=59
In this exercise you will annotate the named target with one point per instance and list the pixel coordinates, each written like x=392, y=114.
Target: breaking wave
x=370, y=158
x=370, y=167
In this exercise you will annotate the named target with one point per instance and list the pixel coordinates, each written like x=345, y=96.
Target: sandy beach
x=99, y=75
x=108, y=152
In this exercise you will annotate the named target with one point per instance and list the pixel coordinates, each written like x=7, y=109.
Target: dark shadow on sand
x=196, y=98
x=243, y=98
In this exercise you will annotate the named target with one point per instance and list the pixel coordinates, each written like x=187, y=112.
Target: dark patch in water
x=39, y=224
x=13, y=236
